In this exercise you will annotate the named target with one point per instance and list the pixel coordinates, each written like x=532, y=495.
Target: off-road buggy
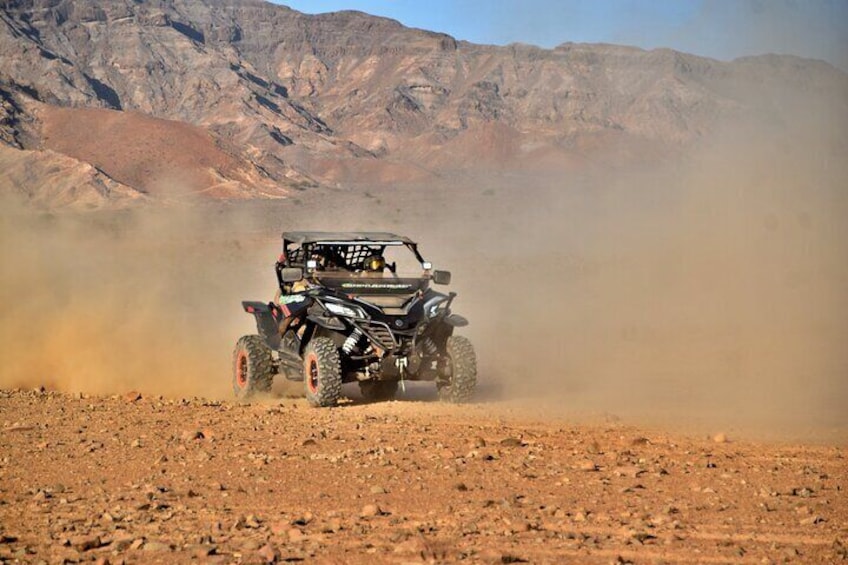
x=344, y=314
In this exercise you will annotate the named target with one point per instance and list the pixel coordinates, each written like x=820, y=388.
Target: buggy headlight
x=343, y=310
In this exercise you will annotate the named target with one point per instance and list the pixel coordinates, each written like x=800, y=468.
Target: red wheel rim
x=241, y=369
x=312, y=373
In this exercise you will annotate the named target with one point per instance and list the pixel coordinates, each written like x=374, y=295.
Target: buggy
x=355, y=307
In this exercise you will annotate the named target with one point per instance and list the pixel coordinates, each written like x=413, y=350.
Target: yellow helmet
x=375, y=263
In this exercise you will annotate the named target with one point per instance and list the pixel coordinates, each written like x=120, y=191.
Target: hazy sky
x=723, y=29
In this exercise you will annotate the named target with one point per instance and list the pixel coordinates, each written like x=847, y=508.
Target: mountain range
x=120, y=101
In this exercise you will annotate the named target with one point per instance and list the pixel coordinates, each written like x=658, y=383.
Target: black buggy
x=355, y=307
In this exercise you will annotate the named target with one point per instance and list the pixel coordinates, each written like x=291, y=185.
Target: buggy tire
x=463, y=375
x=253, y=370
x=322, y=374
x=378, y=391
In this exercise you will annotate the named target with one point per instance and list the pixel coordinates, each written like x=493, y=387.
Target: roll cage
x=338, y=251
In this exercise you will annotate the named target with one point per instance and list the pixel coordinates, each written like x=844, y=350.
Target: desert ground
x=132, y=478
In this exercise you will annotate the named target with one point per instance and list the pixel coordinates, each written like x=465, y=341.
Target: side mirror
x=441, y=277
x=292, y=274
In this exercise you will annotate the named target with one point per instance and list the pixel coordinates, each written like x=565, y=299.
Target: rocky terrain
x=281, y=101
x=136, y=479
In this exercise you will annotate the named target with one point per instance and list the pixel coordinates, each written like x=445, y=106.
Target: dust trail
x=110, y=302
x=712, y=292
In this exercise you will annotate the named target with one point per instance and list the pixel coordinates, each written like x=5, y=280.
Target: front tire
x=378, y=391
x=253, y=371
x=322, y=372
x=462, y=362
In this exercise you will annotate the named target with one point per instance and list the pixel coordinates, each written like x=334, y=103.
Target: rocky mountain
x=243, y=98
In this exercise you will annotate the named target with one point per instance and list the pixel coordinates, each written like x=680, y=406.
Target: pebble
x=512, y=442
x=269, y=553
x=85, y=543
x=815, y=519
x=121, y=544
x=631, y=471
x=189, y=435
x=370, y=510
x=132, y=396
x=587, y=466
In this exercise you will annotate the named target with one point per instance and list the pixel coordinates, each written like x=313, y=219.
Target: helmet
x=375, y=263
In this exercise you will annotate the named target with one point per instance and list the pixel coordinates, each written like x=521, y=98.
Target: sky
x=721, y=29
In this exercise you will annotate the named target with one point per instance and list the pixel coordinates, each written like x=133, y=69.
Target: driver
x=374, y=265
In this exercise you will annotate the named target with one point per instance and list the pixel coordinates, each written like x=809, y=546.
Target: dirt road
x=139, y=479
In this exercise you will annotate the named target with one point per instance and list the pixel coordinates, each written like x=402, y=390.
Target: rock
x=191, y=435
x=631, y=471
x=204, y=550
x=86, y=543
x=332, y=526
x=132, y=396
x=815, y=519
x=579, y=516
x=370, y=510
x=295, y=534
x=803, y=492
x=587, y=465
x=250, y=545
x=376, y=489
x=720, y=437
x=269, y=553
x=643, y=537
x=279, y=527
x=121, y=544
x=156, y=546
x=137, y=544
x=594, y=448
x=304, y=519
x=41, y=496
x=512, y=442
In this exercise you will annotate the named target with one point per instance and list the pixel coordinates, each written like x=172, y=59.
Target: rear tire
x=322, y=374
x=378, y=391
x=253, y=371
x=463, y=370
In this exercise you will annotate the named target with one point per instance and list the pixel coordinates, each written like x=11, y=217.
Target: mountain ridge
x=302, y=100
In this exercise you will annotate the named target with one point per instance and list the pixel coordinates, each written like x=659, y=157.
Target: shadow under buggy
x=344, y=313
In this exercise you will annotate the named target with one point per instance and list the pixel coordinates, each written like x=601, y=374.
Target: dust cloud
x=110, y=302
x=710, y=292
